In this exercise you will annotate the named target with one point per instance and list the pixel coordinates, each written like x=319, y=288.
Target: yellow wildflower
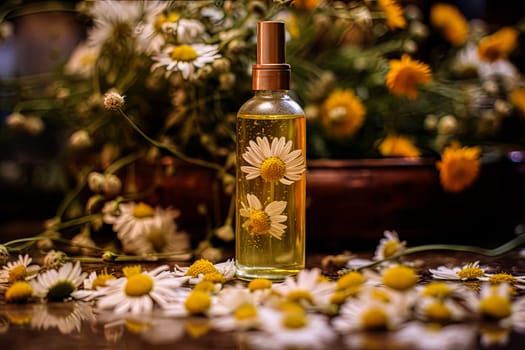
x=498, y=45
x=343, y=113
x=459, y=167
x=517, y=98
x=306, y=4
x=451, y=21
x=398, y=146
x=393, y=13
x=406, y=75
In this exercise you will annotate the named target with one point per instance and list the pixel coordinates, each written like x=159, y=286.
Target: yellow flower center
x=197, y=302
x=374, y=318
x=438, y=311
x=142, y=210
x=184, y=53
x=390, y=248
x=259, y=222
x=245, y=312
x=200, y=266
x=400, y=277
x=298, y=295
x=380, y=295
x=138, y=285
x=164, y=18
x=205, y=286
x=273, y=169
x=214, y=277
x=495, y=307
x=17, y=273
x=470, y=272
x=289, y=306
x=339, y=297
x=502, y=278
x=18, y=292
x=101, y=280
x=157, y=239
x=437, y=290
x=295, y=319
x=351, y=279
x=259, y=283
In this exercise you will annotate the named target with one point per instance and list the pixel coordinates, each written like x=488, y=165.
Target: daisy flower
x=406, y=75
x=368, y=314
x=58, y=285
x=308, y=289
x=430, y=336
x=503, y=277
x=139, y=291
x=19, y=270
x=82, y=61
x=92, y=284
x=440, y=310
x=469, y=271
x=343, y=113
x=185, y=58
x=114, y=21
x=241, y=307
x=68, y=319
x=495, y=302
x=459, y=167
x=203, y=269
x=273, y=163
x=143, y=229
x=389, y=245
x=261, y=221
x=291, y=329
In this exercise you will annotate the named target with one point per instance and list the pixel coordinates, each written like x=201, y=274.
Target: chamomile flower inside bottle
x=271, y=164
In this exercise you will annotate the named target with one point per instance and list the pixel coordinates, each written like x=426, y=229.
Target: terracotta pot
x=350, y=203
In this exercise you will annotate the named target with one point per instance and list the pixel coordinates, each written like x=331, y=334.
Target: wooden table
x=73, y=325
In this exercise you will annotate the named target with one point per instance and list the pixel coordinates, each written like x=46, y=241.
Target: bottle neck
x=271, y=93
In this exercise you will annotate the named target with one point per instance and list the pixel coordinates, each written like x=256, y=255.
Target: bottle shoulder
x=278, y=104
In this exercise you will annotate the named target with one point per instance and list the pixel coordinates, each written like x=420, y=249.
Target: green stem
x=502, y=249
x=168, y=148
x=70, y=197
x=122, y=162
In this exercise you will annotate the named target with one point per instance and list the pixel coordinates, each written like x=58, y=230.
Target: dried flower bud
x=83, y=243
x=312, y=112
x=109, y=256
x=45, y=245
x=212, y=254
x=15, y=120
x=33, y=125
x=96, y=182
x=80, y=139
x=4, y=254
x=113, y=101
x=431, y=122
x=112, y=185
x=221, y=65
x=502, y=107
x=418, y=30
x=226, y=81
x=225, y=233
x=54, y=259
x=447, y=125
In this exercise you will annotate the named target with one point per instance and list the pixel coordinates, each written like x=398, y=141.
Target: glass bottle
x=271, y=168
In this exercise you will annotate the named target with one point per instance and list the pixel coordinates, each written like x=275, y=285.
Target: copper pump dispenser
x=271, y=72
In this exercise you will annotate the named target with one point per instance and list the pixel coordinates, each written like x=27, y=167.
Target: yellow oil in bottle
x=270, y=198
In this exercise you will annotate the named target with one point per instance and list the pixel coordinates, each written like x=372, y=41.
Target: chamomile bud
x=113, y=101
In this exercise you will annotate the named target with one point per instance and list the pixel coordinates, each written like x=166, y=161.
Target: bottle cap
x=271, y=72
